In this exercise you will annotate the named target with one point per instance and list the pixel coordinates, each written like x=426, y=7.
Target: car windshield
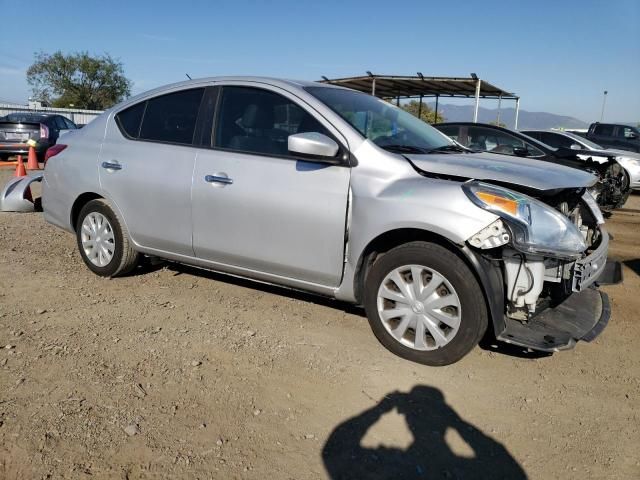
x=584, y=141
x=387, y=126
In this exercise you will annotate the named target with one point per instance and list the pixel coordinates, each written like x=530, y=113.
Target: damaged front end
x=614, y=185
x=550, y=251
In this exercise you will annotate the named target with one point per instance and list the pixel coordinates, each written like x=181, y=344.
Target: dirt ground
x=179, y=373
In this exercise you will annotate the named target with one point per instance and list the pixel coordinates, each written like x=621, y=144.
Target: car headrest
x=256, y=117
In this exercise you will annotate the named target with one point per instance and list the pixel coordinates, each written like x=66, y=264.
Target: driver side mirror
x=575, y=146
x=632, y=135
x=315, y=145
x=520, y=151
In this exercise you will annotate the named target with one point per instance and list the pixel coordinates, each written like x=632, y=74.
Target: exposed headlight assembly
x=535, y=227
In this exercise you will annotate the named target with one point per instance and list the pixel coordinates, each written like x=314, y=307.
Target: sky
x=558, y=56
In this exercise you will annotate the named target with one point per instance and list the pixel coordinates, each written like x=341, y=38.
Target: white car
x=629, y=160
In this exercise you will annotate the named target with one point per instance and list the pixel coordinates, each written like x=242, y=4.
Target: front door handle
x=111, y=165
x=218, y=178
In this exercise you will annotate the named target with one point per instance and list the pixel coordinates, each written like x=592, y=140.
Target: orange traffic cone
x=32, y=161
x=20, y=170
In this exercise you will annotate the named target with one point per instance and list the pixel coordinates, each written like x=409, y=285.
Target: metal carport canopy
x=419, y=86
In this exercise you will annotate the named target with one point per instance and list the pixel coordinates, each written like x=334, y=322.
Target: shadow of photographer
x=428, y=418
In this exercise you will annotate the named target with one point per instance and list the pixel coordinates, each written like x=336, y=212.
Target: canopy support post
x=499, y=104
x=475, y=110
x=515, y=127
x=373, y=87
x=435, y=117
x=420, y=108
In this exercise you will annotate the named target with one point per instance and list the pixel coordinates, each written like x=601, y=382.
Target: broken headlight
x=535, y=227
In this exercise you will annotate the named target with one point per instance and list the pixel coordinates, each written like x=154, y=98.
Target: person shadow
x=428, y=418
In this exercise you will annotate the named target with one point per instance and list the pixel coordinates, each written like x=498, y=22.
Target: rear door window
x=451, y=132
x=172, y=118
x=556, y=141
x=497, y=141
x=536, y=135
x=604, y=130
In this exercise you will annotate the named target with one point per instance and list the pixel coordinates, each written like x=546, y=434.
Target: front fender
x=491, y=281
x=433, y=206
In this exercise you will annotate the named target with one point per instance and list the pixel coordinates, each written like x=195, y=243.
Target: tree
x=426, y=114
x=78, y=79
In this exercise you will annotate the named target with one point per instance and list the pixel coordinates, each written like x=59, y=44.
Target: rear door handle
x=111, y=165
x=219, y=178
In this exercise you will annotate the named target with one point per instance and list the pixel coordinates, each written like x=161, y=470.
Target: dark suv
x=623, y=137
x=18, y=128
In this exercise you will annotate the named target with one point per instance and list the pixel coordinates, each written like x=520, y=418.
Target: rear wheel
x=102, y=241
x=424, y=304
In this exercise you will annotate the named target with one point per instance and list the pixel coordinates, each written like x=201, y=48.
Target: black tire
x=474, y=317
x=124, y=258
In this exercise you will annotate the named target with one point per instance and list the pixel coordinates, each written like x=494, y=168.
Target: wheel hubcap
x=98, y=241
x=419, y=307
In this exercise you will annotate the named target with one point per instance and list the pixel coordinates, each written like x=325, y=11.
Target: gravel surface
x=178, y=372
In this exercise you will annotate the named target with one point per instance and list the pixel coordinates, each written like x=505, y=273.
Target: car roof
x=196, y=82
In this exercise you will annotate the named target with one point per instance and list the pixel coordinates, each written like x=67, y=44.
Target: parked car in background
x=622, y=137
x=336, y=192
x=17, y=128
x=612, y=190
x=560, y=139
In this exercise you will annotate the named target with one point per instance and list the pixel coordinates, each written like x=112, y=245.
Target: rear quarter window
x=128, y=120
x=59, y=122
x=69, y=123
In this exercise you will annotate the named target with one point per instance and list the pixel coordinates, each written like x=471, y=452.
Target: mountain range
x=526, y=119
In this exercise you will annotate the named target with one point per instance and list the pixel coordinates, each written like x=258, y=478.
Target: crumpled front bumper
x=587, y=270
x=582, y=316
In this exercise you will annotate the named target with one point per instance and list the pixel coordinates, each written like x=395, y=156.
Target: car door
x=146, y=165
x=255, y=206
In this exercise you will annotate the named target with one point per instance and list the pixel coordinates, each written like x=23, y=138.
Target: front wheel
x=424, y=304
x=103, y=243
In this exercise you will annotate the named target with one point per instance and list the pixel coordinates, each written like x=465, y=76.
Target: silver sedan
x=335, y=192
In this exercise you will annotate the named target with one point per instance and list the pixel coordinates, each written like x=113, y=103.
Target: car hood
x=526, y=172
x=624, y=153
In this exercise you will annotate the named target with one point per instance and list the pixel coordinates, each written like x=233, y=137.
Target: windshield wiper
x=448, y=148
x=404, y=148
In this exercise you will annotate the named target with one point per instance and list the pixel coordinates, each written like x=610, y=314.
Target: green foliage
x=498, y=124
x=78, y=79
x=426, y=114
